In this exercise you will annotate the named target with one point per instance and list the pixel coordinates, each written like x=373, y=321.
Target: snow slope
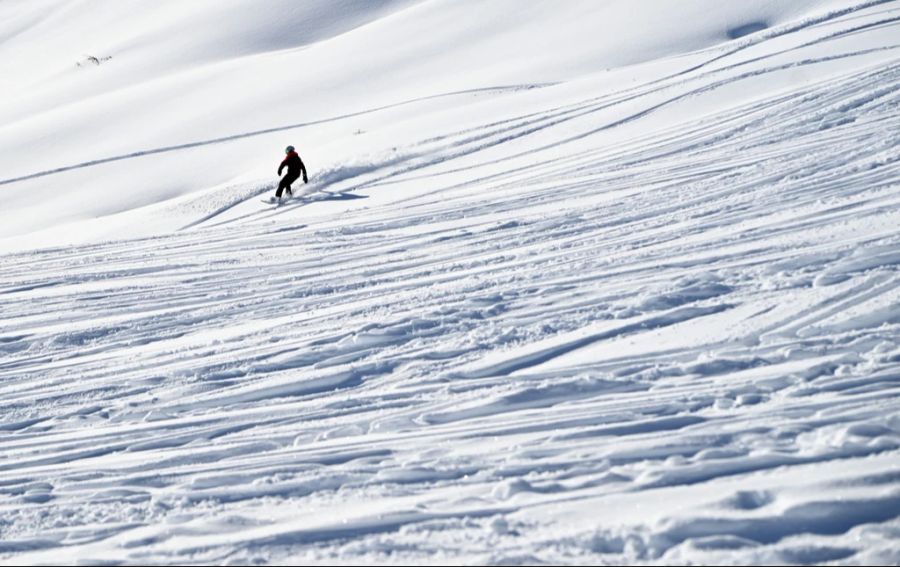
x=572, y=282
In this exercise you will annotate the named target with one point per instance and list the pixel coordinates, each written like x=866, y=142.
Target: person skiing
x=295, y=167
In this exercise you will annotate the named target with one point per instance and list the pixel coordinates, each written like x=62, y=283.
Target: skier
x=294, y=168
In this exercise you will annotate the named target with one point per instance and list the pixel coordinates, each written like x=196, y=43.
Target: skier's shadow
x=320, y=198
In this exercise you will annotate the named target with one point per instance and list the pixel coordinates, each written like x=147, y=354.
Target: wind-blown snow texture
x=622, y=290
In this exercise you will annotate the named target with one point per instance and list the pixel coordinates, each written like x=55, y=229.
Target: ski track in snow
x=704, y=316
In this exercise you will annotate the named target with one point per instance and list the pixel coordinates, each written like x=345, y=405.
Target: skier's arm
x=303, y=170
x=280, y=167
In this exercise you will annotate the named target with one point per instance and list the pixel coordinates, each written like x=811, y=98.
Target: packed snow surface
x=572, y=282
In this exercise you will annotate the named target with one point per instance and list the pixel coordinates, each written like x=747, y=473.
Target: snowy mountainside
x=571, y=283
x=199, y=92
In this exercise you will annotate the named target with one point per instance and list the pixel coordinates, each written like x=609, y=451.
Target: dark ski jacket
x=294, y=166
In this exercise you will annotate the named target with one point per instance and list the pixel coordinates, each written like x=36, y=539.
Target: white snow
x=572, y=282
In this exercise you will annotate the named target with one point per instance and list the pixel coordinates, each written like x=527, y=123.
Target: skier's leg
x=287, y=181
x=281, y=187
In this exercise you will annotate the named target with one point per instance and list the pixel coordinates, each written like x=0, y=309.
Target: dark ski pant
x=285, y=183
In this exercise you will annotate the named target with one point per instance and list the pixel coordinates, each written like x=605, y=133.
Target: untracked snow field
x=575, y=282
